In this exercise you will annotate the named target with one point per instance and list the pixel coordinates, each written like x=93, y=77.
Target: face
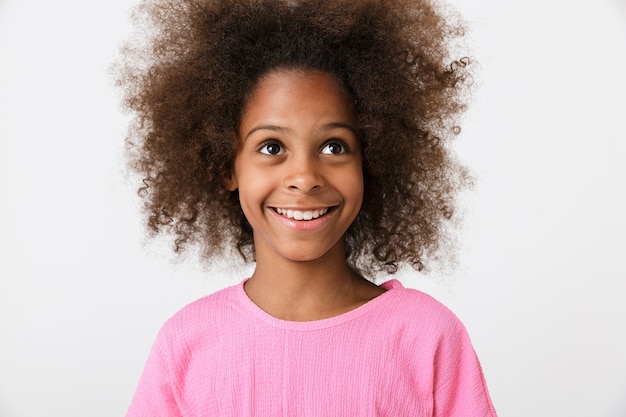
x=298, y=168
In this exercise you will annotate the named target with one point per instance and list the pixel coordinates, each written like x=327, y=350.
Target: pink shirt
x=401, y=354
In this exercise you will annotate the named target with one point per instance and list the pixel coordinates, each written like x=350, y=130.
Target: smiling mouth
x=302, y=214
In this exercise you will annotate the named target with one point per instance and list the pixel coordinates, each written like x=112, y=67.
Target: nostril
x=304, y=175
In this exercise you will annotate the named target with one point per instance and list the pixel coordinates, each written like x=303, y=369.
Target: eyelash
x=333, y=142
x=265, y=145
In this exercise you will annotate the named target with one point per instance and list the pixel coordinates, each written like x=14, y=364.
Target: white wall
x=541, y=284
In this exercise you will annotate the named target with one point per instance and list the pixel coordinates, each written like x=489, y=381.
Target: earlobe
x=230, y=182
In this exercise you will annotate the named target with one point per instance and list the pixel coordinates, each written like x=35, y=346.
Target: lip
x=304, y=225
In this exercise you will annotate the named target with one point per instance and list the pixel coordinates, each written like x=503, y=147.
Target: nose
x=304, y=174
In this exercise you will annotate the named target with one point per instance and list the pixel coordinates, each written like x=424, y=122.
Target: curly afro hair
x=187, y=79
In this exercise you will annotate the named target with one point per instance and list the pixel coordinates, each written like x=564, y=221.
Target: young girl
x=312, y=136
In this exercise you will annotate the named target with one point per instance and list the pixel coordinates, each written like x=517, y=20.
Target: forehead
x=289, y=92
x=291, y=77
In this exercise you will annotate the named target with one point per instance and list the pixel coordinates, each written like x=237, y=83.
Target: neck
x=311, y=290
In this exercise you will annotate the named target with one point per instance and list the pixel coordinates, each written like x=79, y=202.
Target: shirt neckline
x=391, y=286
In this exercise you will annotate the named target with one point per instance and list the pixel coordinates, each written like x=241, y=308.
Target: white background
x=541, y=283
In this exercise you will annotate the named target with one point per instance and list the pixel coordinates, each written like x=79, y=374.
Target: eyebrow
x=338, y=125
x=273, y=128
x=280, y=129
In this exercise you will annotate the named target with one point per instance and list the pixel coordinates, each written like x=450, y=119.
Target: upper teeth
x=302, y=215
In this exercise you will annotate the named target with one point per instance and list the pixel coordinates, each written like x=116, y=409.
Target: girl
x=311, y=135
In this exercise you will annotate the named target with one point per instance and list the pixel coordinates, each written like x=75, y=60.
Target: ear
x=230, y=179
x=230, y=182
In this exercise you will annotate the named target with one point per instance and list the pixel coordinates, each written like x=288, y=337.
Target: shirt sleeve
x=459, y=385
x=156, y=395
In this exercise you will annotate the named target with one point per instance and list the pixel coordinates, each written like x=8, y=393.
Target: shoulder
x=208, y=315
x=417, y=303
x=421, y=312
x=207, y=306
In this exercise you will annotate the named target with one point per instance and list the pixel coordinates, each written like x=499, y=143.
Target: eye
x=271, y=148
x=335, y=147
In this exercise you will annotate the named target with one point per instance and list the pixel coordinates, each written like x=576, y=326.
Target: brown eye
x=334, y=148
x=271, y=148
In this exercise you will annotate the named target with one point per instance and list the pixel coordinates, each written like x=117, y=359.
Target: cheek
x=252, y=192
x=354, y=187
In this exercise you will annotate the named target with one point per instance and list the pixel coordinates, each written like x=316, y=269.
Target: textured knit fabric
x=401, y=354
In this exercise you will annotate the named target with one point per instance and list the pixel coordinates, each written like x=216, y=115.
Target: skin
x=299, y=175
